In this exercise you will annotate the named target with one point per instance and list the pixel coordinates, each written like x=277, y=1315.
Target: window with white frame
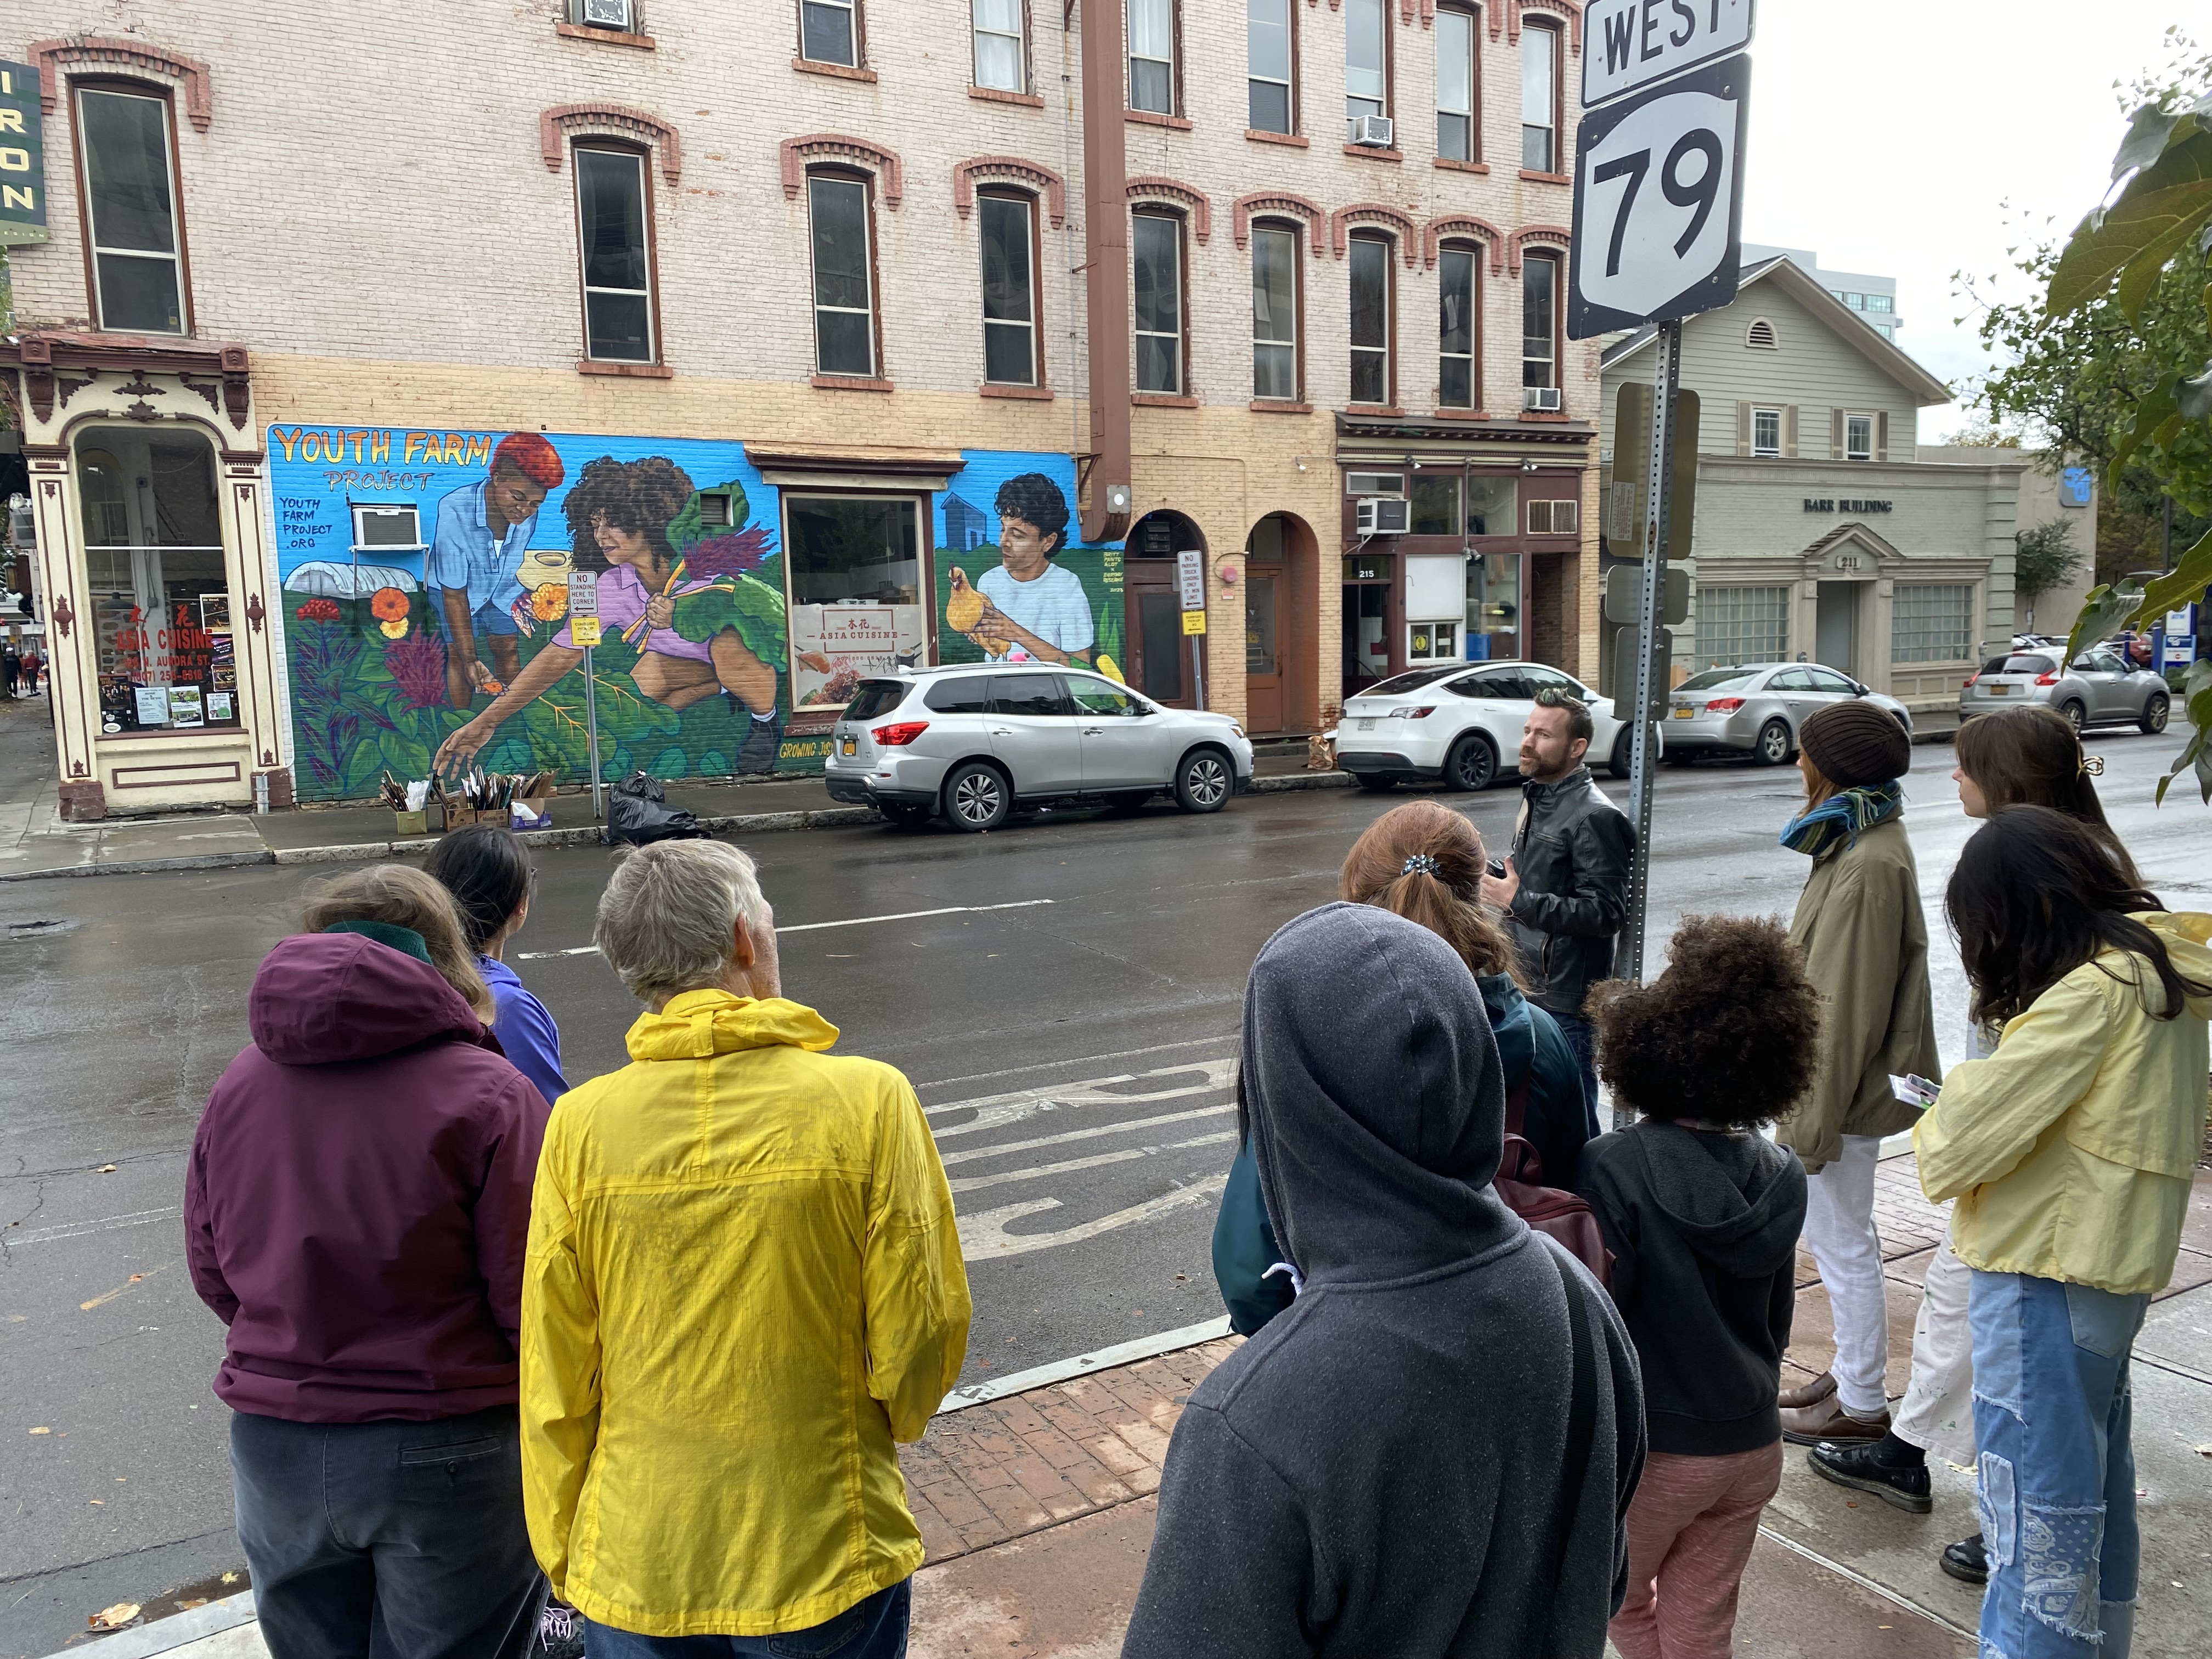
x=998, y=63
x=1008, y=223
x=829, y=32
x=1156, y=293
x=1455, y=85
x=1741, y=624
x=1881, y=303
x=1369, y=273
x=1539, y=344
x=130, y=190
x=613, y=219
x=844, y=284
x=1152, y=55
x=1275, y=314
x=1366, y=58
x=1932, y=622
x=1858, y=437
x=1270, y=105
x=1766, y=432
x=1540, y=98
x=1458, y=325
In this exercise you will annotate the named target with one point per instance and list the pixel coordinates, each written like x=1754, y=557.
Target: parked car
x=972, y=743
x=1758, y=708
x=2101, y=688
x=1461, y=721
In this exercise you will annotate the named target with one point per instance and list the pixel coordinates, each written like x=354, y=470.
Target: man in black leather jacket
x=1565, y=892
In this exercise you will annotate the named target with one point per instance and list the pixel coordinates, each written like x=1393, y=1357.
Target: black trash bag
x=639, y=814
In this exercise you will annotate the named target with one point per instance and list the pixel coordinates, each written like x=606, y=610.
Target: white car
x=1460, y=722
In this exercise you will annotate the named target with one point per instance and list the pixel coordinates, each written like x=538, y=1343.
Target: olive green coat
x=1865, y=939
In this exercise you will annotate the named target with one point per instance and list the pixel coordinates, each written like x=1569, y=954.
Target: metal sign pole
x=592, y=730
x=1648, y=690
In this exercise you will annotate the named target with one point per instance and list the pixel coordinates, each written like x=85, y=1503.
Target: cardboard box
x=410, y=823
x=532, y=814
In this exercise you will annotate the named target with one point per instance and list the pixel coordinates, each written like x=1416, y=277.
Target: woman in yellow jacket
x=2071, y=1151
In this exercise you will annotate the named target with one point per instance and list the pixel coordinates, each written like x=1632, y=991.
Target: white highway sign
x=1627, y=44
x=1659, y=203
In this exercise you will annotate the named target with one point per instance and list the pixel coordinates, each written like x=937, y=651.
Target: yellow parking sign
x=1194, y=622
x=585, y=630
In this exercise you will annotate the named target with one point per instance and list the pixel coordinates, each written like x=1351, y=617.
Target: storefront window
x=1436, y=504
x=1493, y=605
x=154, y=564
x=1493, y=505
x=855, y=592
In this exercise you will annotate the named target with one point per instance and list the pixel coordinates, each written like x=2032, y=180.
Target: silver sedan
x=1758, y=708
x=2100, y=689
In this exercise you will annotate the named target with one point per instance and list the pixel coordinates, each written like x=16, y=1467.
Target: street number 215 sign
x=1659, y=202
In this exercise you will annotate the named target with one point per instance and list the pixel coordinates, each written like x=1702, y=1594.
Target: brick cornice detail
x=566, y=119
x=1489, y=234
x=1509, y=12
x=1035, y=174
x=796, y=153
x=1547, y=234
x=1372, y=213
x=1151, y=187
x=49, y=55
x=1275, y=201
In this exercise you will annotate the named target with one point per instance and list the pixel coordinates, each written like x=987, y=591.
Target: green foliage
x=748, y=603
x=2044, y=557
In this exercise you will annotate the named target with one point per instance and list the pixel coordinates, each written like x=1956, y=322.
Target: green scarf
x=405, y=940
x=1842, y=817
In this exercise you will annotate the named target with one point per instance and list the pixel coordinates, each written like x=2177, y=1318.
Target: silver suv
x=971, y=744
x=2099, y=687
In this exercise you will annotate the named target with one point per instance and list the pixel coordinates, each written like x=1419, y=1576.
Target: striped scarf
x=1842, y=817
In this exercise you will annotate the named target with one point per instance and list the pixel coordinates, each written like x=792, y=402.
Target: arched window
x=1760, y=336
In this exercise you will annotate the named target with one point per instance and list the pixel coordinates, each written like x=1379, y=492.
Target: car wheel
x=1379, y=782
x=1471, y=764
x=976, y=797
x=1773, y=746
x=1204, y=781
x=1620, y=763
x=2154, y=713
x=2076, y=715
x=903, y=814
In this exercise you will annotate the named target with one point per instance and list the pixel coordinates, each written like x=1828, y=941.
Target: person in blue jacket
x=490, y=877
x=1425, y=862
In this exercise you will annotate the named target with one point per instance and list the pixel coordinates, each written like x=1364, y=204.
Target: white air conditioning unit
x=617, y=15
x=1377, y=131
x=22, y=523
x=1544, y=398
x=381, y=529
x=1381, y=515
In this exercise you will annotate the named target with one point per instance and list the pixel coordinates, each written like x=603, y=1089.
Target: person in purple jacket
x=356, y=1211
x=490, y=875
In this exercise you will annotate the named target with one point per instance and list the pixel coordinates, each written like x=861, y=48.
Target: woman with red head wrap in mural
x=474, y=571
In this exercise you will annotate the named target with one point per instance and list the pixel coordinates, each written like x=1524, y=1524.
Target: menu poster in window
x=153, y=702
x=222, y=669
x=119, y=709
x=835, y=647
x=185, y=707
x=215, y=612
x=219, y=706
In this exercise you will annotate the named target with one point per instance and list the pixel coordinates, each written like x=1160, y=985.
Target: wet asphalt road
x=1068, y=1027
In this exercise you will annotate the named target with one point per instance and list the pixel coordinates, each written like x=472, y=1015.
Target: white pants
x=1839, y=1230
x=1938, y=1412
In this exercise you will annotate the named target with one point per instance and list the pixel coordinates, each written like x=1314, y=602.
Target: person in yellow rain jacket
x=2071, y=1151
x=743, y=1284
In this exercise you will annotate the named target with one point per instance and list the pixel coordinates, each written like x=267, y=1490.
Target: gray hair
x=665, y=921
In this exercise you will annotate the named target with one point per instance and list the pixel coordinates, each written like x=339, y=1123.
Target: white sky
x=1887, y=135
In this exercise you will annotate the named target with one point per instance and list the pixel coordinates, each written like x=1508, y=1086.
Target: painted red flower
x=320, y=610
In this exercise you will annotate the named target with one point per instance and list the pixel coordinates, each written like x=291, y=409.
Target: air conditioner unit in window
x=1544, y=397
x=380, y=529
x=22, y=523
x=606, y=15
x=1377, y=131
x=1381, y=515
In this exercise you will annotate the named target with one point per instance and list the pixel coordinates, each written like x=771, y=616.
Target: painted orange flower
x=549, y=602
x=388, y=604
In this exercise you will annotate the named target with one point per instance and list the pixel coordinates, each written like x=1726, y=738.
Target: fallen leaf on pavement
x=43, y=1431
x=114, y=1618
x=202, y=1600
x=2202, y=1451
x=230, y=1578
x=107, y=1169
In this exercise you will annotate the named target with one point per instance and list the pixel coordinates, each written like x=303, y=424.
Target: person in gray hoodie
x=1431, y=1455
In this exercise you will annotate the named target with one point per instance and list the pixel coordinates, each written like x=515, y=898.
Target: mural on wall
x=425, y=579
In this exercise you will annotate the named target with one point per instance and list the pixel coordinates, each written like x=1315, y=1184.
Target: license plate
x=848, y=746
x=1685, y=712
x=1999, y=690
x=1366, y=725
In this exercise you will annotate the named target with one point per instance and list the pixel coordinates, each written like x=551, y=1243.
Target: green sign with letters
x=22, y=157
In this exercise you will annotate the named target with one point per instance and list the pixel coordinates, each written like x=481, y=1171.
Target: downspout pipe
x=1106, y=256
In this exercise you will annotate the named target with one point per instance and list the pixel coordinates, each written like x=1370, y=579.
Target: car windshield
x=1719, y=679
x=1412, y=681
x=2019, y=665
x=872, y=697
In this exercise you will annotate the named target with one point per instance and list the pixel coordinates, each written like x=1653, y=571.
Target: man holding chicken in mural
x=475, y=565
x=1028, y=608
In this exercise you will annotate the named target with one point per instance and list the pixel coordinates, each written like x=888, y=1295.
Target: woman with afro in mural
x=701, y=627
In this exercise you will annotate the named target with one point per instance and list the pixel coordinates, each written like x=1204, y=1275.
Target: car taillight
x=1723, y=705
x=1967, y=684
x=2047, y=679
x=1408, y=712
x=898, y=736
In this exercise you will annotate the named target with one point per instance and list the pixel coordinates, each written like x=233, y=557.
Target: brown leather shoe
x=1808, y=1425
x=1822, y=1387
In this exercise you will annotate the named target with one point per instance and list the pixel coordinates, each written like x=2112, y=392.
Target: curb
x=167, y=1635
x=747, y=823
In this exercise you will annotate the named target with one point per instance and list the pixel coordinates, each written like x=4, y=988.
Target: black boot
x=1967, y=1561
x=763, y=743
x=1855, y=1464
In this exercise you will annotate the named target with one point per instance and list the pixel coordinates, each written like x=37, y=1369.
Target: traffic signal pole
x=1650, y=695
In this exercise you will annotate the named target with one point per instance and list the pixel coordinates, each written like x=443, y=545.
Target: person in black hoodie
x=1702, y=1214
x=1430, y=1454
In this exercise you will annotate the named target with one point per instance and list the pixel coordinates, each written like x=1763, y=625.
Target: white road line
x=984, y=1237
x=1130, y=1155
x=994, y=1111
x=1087, y=1059
x=80, y=1229
x=1004, y=1147
x=815, y=926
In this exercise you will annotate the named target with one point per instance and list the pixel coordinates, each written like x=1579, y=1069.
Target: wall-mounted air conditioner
x=378, y=528
x=1544, y=398
x=1376, y=132
x=619, y=15
x=1381, y=515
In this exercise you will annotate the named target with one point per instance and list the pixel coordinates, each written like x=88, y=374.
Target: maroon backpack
x=1553, y=1210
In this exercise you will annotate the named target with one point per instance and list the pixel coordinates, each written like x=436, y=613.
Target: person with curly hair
x=1034, y=610
x=618, y=516
x=474, y=568
x=1702, y=1214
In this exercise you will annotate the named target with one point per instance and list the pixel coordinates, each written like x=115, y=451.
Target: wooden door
x=1263, y=648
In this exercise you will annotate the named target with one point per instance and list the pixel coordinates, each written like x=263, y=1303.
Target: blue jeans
x=873, y=1629
x=2052, y=1415
x=1583, y=1041
x=375, y=1540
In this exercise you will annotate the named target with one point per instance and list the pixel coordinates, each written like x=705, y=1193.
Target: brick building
x=806, y=309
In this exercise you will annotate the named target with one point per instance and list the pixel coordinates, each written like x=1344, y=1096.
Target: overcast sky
x=1886, y=134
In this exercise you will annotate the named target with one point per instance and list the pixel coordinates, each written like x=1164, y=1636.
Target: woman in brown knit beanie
x=1865, y=939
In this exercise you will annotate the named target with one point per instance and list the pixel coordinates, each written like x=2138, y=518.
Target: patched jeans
x=2052, y=1415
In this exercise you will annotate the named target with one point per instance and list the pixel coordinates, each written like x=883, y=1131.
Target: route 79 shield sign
x=1659, y=202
